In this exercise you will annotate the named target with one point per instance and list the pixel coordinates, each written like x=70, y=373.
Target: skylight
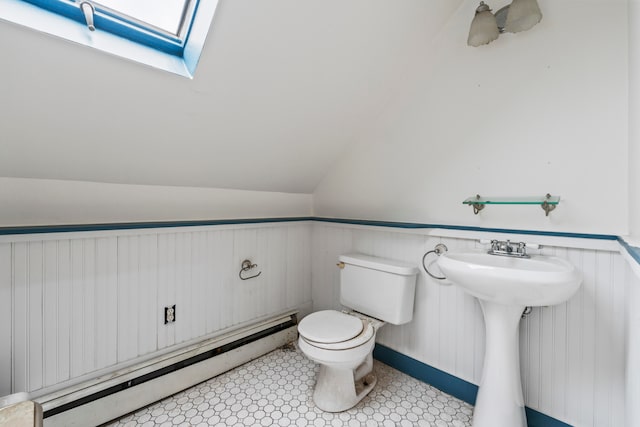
x=167, y=34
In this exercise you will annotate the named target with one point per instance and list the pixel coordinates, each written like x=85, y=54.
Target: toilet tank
x=378, y=287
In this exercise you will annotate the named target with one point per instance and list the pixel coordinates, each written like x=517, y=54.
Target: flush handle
x=340, y=265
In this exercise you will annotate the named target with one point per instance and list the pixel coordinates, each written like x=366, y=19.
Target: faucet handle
x=509, y=248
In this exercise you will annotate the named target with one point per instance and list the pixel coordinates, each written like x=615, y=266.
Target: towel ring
x=439, y=250
x=246, y=266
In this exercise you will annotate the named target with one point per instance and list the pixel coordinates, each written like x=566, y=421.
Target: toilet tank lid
x=382, y=264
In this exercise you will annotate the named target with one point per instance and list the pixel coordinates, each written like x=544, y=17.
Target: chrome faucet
x=506, y=248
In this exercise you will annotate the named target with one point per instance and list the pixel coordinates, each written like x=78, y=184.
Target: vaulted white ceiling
x=282, y=87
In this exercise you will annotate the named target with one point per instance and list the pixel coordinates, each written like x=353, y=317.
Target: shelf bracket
x=477, y=207
x=546, y=206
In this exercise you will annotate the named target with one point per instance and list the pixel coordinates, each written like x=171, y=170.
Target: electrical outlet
x=170, y=314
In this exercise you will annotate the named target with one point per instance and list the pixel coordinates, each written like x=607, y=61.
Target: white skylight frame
x=179, y=56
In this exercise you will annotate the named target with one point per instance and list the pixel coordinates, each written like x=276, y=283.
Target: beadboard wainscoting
x=573, y=354
x=633, y=344
x=84, y=304
x=78, y=305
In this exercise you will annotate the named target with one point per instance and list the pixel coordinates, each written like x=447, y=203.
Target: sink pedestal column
x=499, y=402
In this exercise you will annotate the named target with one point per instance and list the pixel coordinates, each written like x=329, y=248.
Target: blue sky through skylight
x=164, y=14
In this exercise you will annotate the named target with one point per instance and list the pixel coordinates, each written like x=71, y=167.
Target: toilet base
x=337, y=389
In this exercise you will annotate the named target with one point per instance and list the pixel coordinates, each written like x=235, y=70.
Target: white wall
x=572, y=354
x=633, y=329
x=634, y=123
x=632, y=389
x=531, y=113
x=51, y=202
x=85, y=304
x=280, y=90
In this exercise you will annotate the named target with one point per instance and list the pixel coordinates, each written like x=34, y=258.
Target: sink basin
x=505, y=286
x=536, y=281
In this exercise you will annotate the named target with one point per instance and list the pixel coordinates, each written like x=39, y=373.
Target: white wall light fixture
x=520, y=15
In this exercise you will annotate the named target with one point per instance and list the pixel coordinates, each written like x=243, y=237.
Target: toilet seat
x=330, y=326
x=334, y=330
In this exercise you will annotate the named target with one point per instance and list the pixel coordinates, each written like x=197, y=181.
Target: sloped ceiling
x=282, y=87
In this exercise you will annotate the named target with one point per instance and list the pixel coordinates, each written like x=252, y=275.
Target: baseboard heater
x=105, y=399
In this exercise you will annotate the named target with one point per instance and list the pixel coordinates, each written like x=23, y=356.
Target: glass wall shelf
x=547, y=203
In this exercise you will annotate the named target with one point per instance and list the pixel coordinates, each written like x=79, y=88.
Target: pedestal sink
x=505, y=286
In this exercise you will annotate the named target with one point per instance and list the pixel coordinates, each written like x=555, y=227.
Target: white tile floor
x=276, y=390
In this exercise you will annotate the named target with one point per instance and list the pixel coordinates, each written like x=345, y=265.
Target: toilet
x=376, y=291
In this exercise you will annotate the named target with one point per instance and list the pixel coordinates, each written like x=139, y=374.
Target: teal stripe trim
x=67, y=228
x=538, y=419
x=454, y=386
x=139, y=225
x=632, y=250
x=412, y=225
x=450, y=384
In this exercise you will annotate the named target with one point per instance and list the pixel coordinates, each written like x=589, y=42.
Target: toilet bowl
x=342, y=343
x=377, y=290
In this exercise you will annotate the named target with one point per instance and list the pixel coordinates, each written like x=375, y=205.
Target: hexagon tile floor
x=276, y=390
